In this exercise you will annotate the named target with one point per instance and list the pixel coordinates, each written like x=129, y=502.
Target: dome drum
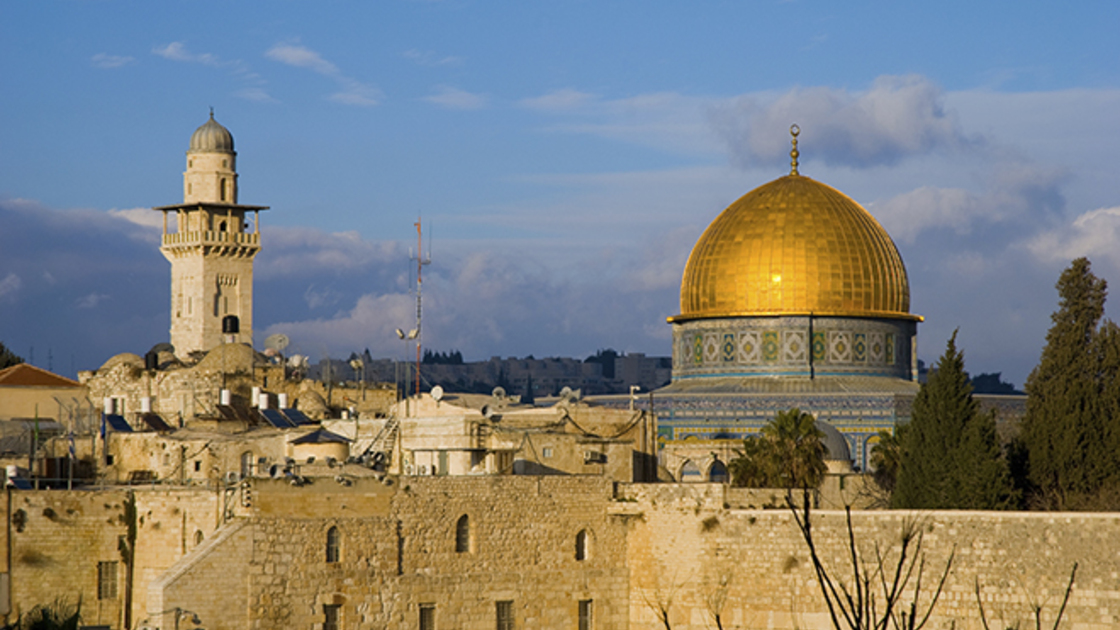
x=793, y=346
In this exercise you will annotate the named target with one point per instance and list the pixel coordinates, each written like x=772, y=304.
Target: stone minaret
x=211, y=248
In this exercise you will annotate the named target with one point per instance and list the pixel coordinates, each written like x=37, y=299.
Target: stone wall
x=397, y=551
x=685, y=546
x=57, y=538
x=678, y=545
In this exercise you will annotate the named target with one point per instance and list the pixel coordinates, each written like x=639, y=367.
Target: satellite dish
x=499, y=392
x=437, y=393
x=277, y=342
x=297, y=361
x=565, y=392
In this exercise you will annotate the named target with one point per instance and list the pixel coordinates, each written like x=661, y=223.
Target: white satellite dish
x=437, y=393
x=499, y=392
x=277, y=342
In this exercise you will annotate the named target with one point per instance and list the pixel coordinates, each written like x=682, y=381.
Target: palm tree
x=789, y=453
x=796, y=448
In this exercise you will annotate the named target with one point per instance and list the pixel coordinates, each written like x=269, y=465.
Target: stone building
x=467, y=434
x=28, y=392
x=211, y=248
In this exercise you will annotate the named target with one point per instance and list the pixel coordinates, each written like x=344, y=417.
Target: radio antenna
x=420, y=262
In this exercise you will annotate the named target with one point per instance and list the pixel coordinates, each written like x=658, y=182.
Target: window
x=107, y=580
x=197, y=465
x=427, y=617
x=198, y=537
x=504, y=612
x=583, y=546
x=333, y=539
x=585, y=619
x=331, y=615
x=463, y=535
x=246, y=464
x=546, y=452
x=222, y=185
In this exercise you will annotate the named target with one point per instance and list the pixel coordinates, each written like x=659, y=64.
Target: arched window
x=222, y=226
x=333, y=540
x=583, y=545
x=463, y=535
x=222, y=186
x=198, y=537
x=246, y=464
x=718, y=472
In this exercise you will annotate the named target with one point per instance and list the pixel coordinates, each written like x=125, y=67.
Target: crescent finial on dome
x=794, y=131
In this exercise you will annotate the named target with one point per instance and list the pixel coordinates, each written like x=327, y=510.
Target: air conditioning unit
x=594, y=457
x=233, y=477
x=422, y=469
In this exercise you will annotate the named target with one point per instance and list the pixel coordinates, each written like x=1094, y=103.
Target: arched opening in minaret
x=222, y=226
x=222, y=185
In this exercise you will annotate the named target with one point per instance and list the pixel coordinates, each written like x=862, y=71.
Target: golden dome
x=795, y=246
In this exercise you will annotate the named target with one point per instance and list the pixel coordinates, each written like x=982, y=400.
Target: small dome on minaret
x=212, y=137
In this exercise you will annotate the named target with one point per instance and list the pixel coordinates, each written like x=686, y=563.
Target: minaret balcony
x=211, y=237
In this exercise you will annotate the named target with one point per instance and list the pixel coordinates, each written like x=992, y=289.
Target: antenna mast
x=420, y=262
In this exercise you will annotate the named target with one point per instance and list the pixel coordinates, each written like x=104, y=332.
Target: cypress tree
x=950, y=456
x=1069, y=431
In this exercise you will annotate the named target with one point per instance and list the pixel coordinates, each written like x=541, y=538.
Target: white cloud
x=300, y=251
x=1017, y=193
x=566, y=99
x=257, y=94
x=302, y=57
x=898, y=117
x=177, y=51
x=9, y=285
x=105, y=60
x=454, y=98
x=1094, y=234
x=431, y=58
x=91, y=300
x=140, y=216
x=353, y=92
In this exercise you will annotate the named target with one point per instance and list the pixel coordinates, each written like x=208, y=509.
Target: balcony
x=211, y=238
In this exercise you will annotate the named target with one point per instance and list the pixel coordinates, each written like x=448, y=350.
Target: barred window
x=427, y=617
x=504, y=612
x=333, y=540
x=107, y=580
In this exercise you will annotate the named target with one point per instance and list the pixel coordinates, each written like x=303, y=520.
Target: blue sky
x=566, y=154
